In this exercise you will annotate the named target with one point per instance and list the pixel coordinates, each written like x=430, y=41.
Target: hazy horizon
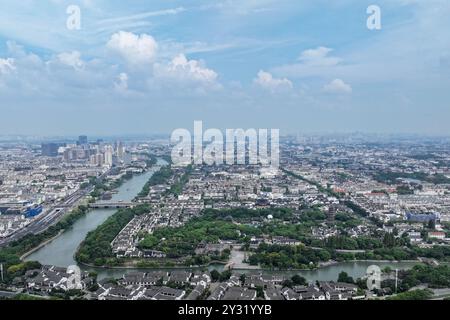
x=324, y=136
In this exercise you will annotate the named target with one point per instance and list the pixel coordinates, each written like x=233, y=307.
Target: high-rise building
x=120, y=150
x=109, y=155
x=50, y=149
x=93, y=160
x=69, y=154
x=82, y=140
x=100, y=159
x=127, y=158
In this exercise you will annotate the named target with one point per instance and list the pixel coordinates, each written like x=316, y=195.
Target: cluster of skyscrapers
x=96, y=153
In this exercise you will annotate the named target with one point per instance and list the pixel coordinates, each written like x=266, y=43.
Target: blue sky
x=152, y=66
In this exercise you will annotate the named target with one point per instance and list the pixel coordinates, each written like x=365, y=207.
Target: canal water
x=355, y=269
x=61, y=251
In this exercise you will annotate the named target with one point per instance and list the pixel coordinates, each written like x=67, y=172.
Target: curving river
x=61, y=251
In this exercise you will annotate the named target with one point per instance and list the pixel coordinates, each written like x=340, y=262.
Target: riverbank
x=43, y=244
x=251, y=268
x=162, y=267
x=334, y=262
x=325, y=273
x=59, y=251
x=61, y=232
x=95, y=248
x=330, y=264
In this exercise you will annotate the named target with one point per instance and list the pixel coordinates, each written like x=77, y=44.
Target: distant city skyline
x=298, y=66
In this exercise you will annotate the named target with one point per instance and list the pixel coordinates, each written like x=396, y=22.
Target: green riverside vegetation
x=96, y=248
x=10, y=255
x=287, y=257
x=159, y=177
x=211, y=226
x=422, y=294
x=435, y=277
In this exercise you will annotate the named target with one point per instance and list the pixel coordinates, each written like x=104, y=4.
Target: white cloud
x=315, y=62
x=121, y=84
x=71, y=59
x=267, y=81
x=180, y=68
x=63, y=75
x=338, y=86
x=135, y=49
x=241, y=7
x=192, y=69
x=6, y=65
x=143, y=15
x=68, y=72
x=318, y=57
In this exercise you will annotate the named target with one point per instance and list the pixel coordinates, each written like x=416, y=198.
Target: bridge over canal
x=112, y=205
